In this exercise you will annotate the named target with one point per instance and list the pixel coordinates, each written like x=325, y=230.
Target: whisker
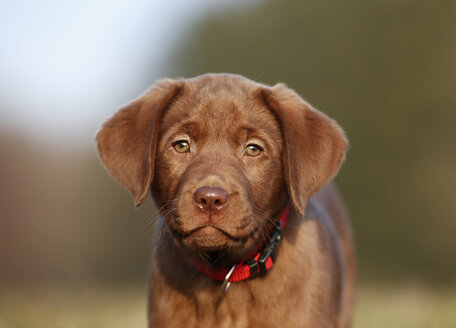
x=154, y=218
x=271, y=219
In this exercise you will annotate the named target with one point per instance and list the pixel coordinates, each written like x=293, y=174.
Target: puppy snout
x=210, y=199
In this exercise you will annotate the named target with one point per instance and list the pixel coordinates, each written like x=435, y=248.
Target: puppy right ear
x=127, y=142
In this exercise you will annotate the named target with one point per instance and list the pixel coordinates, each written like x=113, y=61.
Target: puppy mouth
x=210, y=238
x=208, y=230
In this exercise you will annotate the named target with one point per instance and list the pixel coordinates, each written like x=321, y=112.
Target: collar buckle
x=258, y=266
x=271, y=248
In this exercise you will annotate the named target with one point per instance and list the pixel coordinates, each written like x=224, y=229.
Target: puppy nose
x=210, y=199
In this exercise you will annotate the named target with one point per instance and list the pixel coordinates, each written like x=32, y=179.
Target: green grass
x=383, y=306
x=405, y=307
x=113, y=307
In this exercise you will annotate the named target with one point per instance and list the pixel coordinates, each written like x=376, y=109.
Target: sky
x=65, y=66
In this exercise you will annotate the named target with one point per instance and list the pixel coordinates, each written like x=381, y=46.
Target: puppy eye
x=253, y=150
x=181, y=146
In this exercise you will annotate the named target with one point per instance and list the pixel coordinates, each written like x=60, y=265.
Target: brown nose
x=210, y=200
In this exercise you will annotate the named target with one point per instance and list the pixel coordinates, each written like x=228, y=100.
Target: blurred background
x=74, y=251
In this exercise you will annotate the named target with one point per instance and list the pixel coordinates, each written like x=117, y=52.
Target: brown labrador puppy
x=223, y=156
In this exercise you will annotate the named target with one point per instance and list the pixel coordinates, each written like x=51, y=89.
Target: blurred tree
x=63, y=220
x=386, y=71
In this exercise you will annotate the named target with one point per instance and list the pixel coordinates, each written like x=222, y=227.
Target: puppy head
x=221, y=155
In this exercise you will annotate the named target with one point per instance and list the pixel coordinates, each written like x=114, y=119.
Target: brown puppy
x=223, y=156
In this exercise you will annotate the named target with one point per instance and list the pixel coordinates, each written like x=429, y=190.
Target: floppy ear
x=314, y=145
x=127, y=142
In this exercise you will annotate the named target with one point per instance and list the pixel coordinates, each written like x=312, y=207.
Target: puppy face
x=222, y=155
x=218, y=169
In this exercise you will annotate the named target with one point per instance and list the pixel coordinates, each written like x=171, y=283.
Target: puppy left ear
x=127, y=142
x=314, y=145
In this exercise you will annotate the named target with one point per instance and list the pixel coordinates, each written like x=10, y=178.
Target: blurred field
x=109, y=306
x=404, y=307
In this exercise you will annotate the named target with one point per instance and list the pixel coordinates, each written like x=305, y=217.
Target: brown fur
x=312, y=282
